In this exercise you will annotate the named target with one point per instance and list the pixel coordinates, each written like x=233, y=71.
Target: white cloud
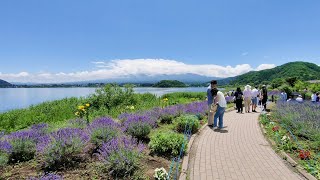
x=244, y=53
x=128, y=67
x=265, y=66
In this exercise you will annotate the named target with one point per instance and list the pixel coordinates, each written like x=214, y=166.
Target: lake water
x=15, y=98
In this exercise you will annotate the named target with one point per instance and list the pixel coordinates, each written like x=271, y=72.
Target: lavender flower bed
x=303, y=119
x=66, y=147
x=295, y=114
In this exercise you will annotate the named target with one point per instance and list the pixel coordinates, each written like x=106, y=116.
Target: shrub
x=23, y=145
x=139, y=126
x=121, y=156
x=5, y=149
x=169, y=113
x=103, y=130
x=167, y=143
x=112, y=96
x=61, y=148
x=191, y=121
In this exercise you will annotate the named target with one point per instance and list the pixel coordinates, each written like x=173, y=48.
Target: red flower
x=303, y=154
x=275, y=128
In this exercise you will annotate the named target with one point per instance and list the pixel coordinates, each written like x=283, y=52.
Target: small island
x=169, y=84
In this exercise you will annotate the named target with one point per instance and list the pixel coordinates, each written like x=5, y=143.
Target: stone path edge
x=286, y=156
x=185, y=161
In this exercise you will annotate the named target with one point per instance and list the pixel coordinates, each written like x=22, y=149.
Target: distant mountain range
x=5, y=84
x=302, y=70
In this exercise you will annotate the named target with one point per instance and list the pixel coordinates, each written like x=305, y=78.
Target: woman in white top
x=222, y=104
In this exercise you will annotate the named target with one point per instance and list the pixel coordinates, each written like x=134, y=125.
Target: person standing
x=247, y=98
x=238, y=95
x=299, y=98
x=213, y=84
x=283, y=96
x=220, y=100
x=264, y=97
x=318, y=97
x=313, y=97
x=254, y=99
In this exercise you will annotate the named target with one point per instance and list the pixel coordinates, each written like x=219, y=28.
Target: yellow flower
x=88, y=105
x=77, y=113
x=165, y=99
x=83, y=110
x=132, y=107
x=80, y=107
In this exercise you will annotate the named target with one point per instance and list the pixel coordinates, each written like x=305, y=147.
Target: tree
x=291, y=81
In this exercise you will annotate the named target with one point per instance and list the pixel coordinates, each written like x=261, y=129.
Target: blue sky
x=67, y=40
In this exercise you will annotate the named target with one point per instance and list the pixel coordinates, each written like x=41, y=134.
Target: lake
x=16, y=98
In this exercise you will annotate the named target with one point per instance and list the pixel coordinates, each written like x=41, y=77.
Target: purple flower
x=104, y=122
x=67, y=135
x=118, y=143
x=5, y=146
x=137, y=118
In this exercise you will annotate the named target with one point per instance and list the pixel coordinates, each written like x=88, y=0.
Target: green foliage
x=139, y=130
x=113, y=96
x=54, y=111
x=3, y=159
x=166, y=118
x=167, y=143
x=169, y=83
x=187, y=120
x=103, y=134
x=59, y=154
x=264, y=120
x=110, y=100
x=291, y=81
x=275, y=83
x=302, y=70
x=286, y=88
x=22, y=150
x=123, y=163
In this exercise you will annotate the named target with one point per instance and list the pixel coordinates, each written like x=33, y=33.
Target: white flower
x=284, y=138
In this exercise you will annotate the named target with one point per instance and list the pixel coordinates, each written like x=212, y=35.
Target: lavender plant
x=5, y=150
x=23, y=145
x=49, y=176
x=121, y=156
x=103, y=130
x=62, y=148
x=139, y=126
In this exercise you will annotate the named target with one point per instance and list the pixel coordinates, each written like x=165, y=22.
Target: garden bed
x=293, y=129
x=131, y=146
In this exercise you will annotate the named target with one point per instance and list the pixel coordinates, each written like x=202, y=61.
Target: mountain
x=302, y=70
x=169, y=83
x=142, y=78
x=5, y=84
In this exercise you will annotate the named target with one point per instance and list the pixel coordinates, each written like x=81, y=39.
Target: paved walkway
x=240, y=151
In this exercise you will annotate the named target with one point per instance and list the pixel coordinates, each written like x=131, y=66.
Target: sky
x=75, y=40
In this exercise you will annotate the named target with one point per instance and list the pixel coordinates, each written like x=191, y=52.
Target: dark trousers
x=239, y=105
x=264, y=103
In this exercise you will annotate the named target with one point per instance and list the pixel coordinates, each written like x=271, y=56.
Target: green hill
x=301, y=70
x=5, y=84
x=169, y=83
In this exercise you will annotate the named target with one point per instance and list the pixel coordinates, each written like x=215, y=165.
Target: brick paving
x=240, y=151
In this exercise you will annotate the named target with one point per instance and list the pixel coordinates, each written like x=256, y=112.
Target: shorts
x=254, y=101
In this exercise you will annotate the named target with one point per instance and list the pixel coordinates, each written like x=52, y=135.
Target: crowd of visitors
x=248, y=98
